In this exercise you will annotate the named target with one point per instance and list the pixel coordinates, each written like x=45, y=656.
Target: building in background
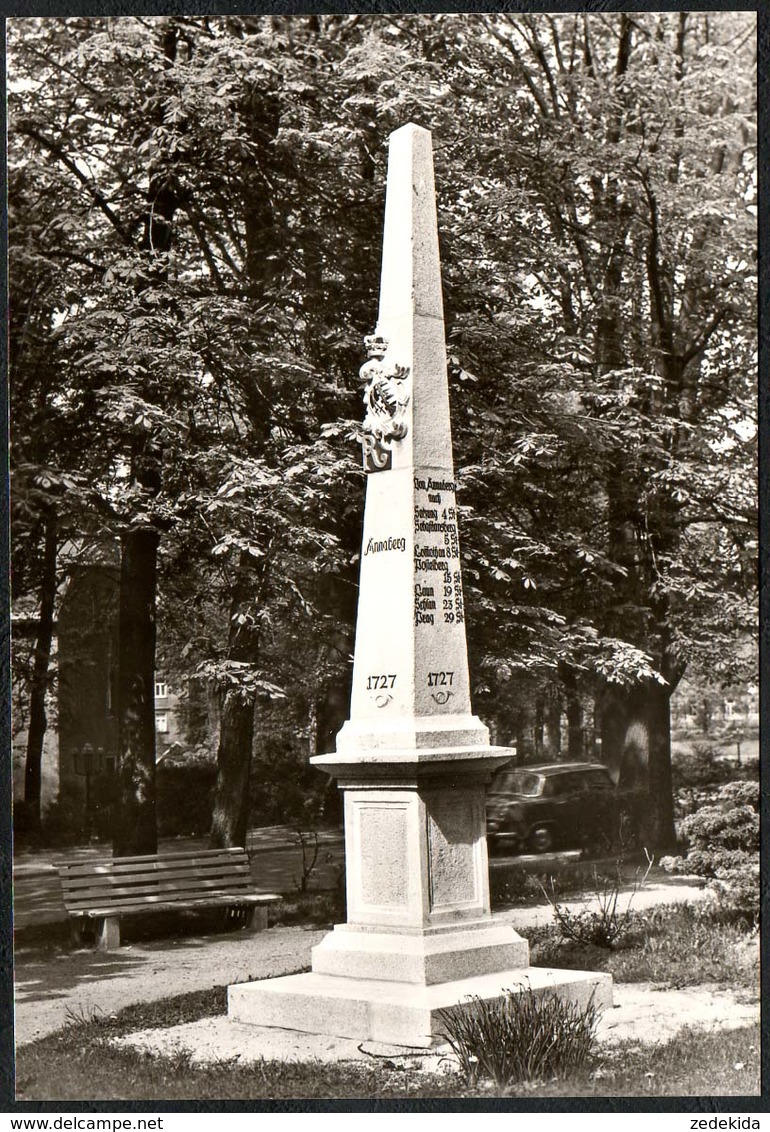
x=168, y=730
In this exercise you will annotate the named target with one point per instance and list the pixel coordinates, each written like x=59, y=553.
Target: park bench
x=99, y=892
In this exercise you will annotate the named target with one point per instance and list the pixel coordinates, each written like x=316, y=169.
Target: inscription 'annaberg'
x=377, y=546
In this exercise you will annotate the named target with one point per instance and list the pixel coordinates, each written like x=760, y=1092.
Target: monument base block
x=399, y=1013
x=428, y=957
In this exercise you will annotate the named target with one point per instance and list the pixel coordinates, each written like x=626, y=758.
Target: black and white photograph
x=384, y=543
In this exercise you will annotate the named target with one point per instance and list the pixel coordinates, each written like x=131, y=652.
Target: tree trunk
x=33, y=767
x=636, y=747
x=230, y=818
x=231, y=799
x=539, y=728
x=575, y=731
x=525, y=732
x=136, y=819
x=552, y=730
x=661, y=825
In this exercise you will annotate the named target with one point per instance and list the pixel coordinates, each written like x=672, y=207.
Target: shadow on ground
x=49, y=965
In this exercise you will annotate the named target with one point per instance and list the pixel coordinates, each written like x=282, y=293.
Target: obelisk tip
x=410, y=128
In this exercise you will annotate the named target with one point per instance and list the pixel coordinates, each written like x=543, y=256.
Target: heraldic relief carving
x=386, y=397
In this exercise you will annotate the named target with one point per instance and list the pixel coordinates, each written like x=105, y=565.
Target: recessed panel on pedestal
x=455, y=860
x=383, y=845
x=379, y=859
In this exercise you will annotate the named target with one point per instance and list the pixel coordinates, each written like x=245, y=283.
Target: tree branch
x=29, y=130
x=530, y=82
x=653, y=270
x=699, y=344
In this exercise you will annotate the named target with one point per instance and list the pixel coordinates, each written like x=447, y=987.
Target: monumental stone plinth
x=412, y=760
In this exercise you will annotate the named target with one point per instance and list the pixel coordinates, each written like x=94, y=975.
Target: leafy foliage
x=723, y=846
x=195, y=209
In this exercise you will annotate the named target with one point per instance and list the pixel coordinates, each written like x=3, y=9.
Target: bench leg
x=107, y=933
x=256, y=918
x=76, y=931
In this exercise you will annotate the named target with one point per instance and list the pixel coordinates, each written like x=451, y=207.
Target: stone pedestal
x=417, y=878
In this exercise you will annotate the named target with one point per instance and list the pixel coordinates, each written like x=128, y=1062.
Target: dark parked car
x=562, y=805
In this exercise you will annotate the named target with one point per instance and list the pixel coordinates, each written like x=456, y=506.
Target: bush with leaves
x=185, y=783
x=523, y=1036
x=65, y=823
x=723, y=846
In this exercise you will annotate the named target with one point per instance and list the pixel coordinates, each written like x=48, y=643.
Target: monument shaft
x=410, y=675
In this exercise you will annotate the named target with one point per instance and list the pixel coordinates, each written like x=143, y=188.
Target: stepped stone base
x=398, y=1013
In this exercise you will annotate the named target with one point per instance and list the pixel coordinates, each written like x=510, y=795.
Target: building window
x=161, y=689
x=161, y=722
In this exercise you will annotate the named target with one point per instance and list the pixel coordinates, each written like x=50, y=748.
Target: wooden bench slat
x=183, y=867
x=179, y=855
x=172, y=905
x=179, y=889
x=143, y=862
x=102, y=900
x=108, y=881
x=141, y=890
x=172, y=861
x=240, y=874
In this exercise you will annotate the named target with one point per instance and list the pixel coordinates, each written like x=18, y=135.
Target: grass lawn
x=79, y=1063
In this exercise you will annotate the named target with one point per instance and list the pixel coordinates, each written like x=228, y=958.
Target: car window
x=518, y=782
x=562, y=784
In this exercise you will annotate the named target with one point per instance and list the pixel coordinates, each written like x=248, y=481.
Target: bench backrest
x=123, y=881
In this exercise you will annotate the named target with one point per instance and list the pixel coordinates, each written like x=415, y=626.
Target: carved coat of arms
x=386, y=397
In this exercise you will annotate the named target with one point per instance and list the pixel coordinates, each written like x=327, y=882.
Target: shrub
x=520, y=1037
x=602, y=927
x=700, y=766
x=606, y=923
x=65, y=823
x=632, y=821
x=723, y=847
x=696, y=774
x=185, y=792
x=286, y=790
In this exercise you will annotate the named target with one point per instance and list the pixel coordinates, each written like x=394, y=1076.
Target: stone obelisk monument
x=413, y=761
